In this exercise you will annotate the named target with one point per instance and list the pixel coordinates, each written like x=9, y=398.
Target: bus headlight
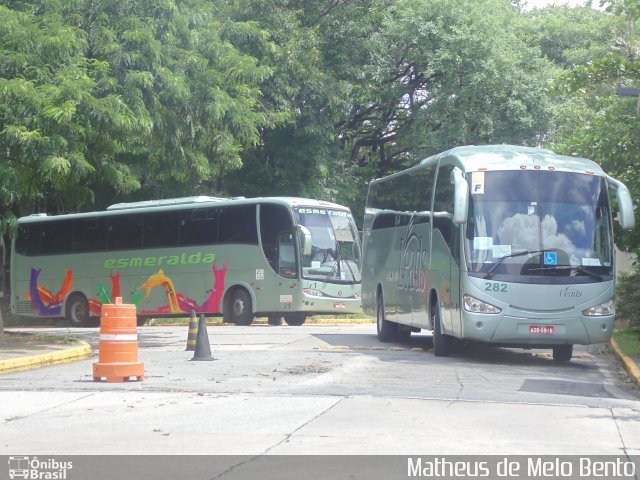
x=473, y=305
x=604, y=309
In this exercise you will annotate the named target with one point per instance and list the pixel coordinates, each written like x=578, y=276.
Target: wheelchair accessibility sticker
x=550, y=258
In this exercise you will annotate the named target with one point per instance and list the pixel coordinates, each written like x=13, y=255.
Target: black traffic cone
x=193, y=332
x=203, y=350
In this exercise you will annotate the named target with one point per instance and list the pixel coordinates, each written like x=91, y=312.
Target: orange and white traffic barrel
x=118, y=348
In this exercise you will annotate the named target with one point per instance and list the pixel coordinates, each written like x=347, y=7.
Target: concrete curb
x=79, y=352
x=263, y=321
x=627, y=362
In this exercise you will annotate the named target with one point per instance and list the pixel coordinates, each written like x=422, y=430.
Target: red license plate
x=541, y=329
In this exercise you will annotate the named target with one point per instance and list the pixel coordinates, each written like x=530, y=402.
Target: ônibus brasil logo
x=37, y=469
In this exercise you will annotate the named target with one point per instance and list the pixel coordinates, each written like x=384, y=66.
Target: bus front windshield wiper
x=517, y=254
x=573, y=268
x=337, y=265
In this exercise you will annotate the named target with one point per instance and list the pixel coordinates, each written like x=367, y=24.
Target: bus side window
x=384, y=220
x=89, y=235
x=29, y=239
x=161, y=229
x=274, y=219
x=238, y=225
x=124, y=232
x=56, y=237
x=199, y=226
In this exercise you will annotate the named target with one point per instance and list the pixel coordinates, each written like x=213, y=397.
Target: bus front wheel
x=295, y=319
x=387, y=331
x=441, y=342
x=238, y=309
x=77, y=311
x=562, y=353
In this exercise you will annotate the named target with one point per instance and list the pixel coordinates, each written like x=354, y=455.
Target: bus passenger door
x=445, y=252
x=405, y=242
x=287, y=265
x=418, y=265
x=456, y=301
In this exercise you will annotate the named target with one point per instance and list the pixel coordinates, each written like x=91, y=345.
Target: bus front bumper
x=529, y=332
x=331, y=305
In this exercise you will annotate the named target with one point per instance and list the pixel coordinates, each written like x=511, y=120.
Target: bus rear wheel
x=562, y=353
x=441, y=342
x=274, y=319
x=295, y=319
x=238, y=309
x=77, y=310
x=387, y=331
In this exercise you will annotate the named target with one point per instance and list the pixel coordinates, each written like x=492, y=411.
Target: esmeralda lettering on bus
x=138, y=262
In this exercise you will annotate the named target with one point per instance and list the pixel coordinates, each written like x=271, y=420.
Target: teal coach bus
x=239, y=258
x=506, y=245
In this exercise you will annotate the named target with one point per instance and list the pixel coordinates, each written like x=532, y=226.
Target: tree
x=102, y=98
x=436, y=78
x=99, y=99
x=372, y=86
x=317, y=61
x=598, y=124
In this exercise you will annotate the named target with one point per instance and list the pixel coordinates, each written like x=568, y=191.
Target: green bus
x=239, y=258
x=505, y=245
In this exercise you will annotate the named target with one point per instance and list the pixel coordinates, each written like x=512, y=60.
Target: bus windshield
x=335, y=246
x=532, y=226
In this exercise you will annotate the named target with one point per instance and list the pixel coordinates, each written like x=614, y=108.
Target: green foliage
x=103, y=97
x=628, y=293
x=440, y=74
x=593, y=122
x=628, y=340
x=108, y=101
x=570, y=37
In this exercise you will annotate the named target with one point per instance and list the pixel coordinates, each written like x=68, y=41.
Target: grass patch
x=628, y=340
x=345, y=318
x=12, y=338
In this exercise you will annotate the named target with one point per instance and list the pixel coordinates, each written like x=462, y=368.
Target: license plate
x=340, y=305
x=541, y=329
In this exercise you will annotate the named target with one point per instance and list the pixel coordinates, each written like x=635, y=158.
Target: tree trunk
x=4, y=286
x=1, y=322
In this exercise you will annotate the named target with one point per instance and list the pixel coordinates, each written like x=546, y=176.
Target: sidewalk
x=21, y=353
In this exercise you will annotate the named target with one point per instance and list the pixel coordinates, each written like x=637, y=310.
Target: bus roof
x=184, y=202
x=510, y=157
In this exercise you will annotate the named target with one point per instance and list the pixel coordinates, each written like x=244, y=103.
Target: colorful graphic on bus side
x=46, y=303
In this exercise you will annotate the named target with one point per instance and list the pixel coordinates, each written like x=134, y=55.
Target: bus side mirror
x=307, y=244
x=625, y=203
x=460, y=196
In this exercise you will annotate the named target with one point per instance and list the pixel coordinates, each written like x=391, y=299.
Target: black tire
x=562, y=353
x=238, y=307
x=387, y=331
x=441, y=342
x=404, y=335
x=77, y=310
x=274, y=319
x=295, y=319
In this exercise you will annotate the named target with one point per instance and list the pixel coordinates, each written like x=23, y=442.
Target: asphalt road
x=323, y=389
